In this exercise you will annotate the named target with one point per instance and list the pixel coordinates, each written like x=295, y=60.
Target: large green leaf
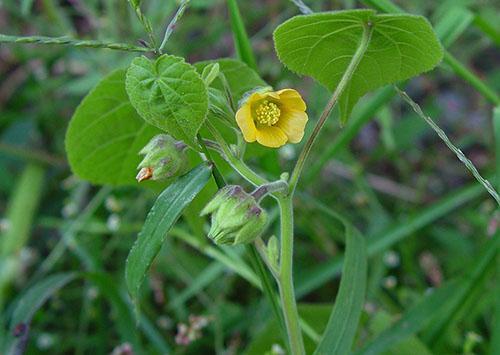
x=240, y=77
x=106, y=134
x=169, y=94
x=322, y=46
x=165, y=212
x=344, y=319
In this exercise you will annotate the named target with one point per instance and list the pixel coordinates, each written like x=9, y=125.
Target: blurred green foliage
x=426, y=221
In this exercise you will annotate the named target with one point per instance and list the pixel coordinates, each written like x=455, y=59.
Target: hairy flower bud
x=163, y=158
x=237, y=218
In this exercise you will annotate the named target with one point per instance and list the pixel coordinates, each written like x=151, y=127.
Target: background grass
x=427, y=222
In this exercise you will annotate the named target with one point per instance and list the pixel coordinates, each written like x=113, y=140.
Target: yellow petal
x=272, y=137
x=245, y=122
x=291, y=100
x=293, y=122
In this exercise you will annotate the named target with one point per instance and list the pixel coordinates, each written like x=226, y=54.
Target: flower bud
x=163, y=158
x=272, y=250
x=237, y=218
x=210, y=73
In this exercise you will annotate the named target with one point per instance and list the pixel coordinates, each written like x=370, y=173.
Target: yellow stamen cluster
x=268, y=113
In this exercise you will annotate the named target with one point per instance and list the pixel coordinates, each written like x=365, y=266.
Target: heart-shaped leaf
x=169, y=94
x=322, y=45
x=106, y=133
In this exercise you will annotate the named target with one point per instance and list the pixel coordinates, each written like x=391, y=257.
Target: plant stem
x=344, y=81
x=173, y=23
x=219, y=179
x=276, y=186
x=241, y=40
x=285, y=280
x=237, y=164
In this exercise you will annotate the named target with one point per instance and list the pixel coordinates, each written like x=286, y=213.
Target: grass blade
x=20, y=213
x=343, y=323
x=472, y=279
x=29, y=303
x=123, y=317
x=241, y=40
x=415, y=319
x=317, y=276
x=165, y=212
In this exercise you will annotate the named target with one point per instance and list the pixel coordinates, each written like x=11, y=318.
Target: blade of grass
x=413, y=320
x=269, y=288
x=453, y=23
x=316, y=276
x=359, y=118
x=27, y=304
x=343, y=323
x=19, y=217
x=445, y=319
x=205, y=278
x=122, y=310
x=241, y=40
x=487, y=28
x=495, y=332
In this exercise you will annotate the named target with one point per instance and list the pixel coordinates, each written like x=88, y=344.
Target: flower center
x=268, y=113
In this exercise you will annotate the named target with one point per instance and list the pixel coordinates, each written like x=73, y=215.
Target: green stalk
x=219, y=179
x=241, y=41
x=471, y=78
x=344, y=81
x=19, y=216
x=237, y=164
x=285, y=280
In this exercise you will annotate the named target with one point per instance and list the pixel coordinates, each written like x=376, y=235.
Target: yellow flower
x=273, y=118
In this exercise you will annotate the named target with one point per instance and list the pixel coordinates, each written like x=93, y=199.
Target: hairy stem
x=237, y=164
x=344, y=81
x=219, y=179
x=285, y=280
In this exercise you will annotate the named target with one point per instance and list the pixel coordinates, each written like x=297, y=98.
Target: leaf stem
x=219, y=179
x=237, y=164
x=285, y=279
x=344, y=81
x=276, y=186
x=171, y=26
